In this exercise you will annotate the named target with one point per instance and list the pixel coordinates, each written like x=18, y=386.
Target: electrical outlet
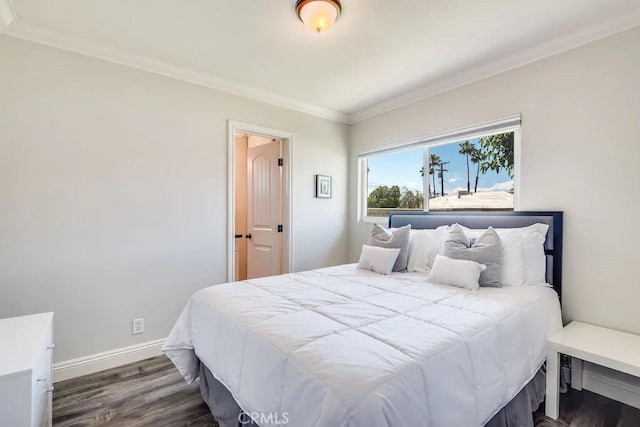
x=137, y=326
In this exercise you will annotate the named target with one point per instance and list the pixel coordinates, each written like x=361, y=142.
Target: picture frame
x=323, y=186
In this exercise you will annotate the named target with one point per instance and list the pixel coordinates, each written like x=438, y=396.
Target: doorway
x=259, y=202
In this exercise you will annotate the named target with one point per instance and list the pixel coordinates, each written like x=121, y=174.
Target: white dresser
x=26, y=354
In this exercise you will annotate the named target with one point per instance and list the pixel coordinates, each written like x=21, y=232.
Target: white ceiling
x=378, y=51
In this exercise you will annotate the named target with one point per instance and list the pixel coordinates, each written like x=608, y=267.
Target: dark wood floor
x=586, y=409
x=152, y=393
x=146, y=393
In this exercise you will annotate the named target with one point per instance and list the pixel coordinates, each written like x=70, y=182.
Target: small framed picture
x=323, y=186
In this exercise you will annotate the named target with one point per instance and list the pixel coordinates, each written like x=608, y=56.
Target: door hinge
x=280, y=161
x=279, y=228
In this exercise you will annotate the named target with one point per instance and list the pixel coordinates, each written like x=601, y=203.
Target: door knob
x=248, y=236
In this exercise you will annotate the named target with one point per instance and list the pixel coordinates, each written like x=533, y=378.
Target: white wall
x=113, y=192
x=113, y=182
x=580, y=154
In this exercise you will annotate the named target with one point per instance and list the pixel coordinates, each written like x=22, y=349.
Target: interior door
x=264, y=210
x=237, y=275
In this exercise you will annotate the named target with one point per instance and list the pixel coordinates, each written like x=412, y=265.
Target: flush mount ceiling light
x=318, y=15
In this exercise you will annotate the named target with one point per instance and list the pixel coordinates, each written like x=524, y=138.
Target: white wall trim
x=109, y=359
x=287, y=155
x=612, y=385
x=510, y=62
x=35, y=33
x=611, y=388
x=7, y=13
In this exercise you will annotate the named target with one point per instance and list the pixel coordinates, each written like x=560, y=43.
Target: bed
x=341, y=346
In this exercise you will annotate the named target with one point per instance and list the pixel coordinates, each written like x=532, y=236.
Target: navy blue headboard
x=552, y=245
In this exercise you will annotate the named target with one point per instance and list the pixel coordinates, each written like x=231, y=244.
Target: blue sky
x=403, y=169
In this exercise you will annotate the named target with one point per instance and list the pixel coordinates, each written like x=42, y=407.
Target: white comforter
x=345, y=347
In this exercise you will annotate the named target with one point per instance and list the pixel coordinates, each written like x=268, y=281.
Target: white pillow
x=380, y=260
x=535, y=260
x=439, y=236
x=423, y=247
x=539, y=228
x=455, y=272
x=512, y=258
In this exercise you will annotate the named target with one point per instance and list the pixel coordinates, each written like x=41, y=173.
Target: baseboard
x=109, y=359
x=612, y=384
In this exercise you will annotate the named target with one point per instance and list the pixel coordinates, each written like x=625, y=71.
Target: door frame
x=287, y=208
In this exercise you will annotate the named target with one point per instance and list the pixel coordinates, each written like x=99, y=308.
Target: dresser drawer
x=15, y=399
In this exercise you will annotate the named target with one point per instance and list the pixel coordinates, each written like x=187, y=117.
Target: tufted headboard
x=515, y=219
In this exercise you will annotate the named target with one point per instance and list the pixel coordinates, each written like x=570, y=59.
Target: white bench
x=607, y=347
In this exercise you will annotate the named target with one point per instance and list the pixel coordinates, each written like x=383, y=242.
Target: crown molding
x=7, y=14
x=38, y=34
x=524, y=57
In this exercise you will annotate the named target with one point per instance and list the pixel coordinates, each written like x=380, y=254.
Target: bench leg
x=552, y=399
x=576, y=374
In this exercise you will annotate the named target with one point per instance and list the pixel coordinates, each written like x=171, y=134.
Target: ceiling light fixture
x=318, y=15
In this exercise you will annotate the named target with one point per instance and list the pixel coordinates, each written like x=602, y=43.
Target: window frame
x=486, y=129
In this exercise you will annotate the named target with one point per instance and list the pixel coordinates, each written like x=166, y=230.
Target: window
x=472, y=170
x=475, y=174
x=394, y=182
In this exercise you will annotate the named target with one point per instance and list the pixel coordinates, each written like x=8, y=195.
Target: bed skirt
x=517, y=413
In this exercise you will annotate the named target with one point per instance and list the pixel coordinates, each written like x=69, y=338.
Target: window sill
x=382, y=220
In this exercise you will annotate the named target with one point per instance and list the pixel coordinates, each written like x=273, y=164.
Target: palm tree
x=434, y=160
x=428, y=185
x=476, y=158
x=467, y=148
